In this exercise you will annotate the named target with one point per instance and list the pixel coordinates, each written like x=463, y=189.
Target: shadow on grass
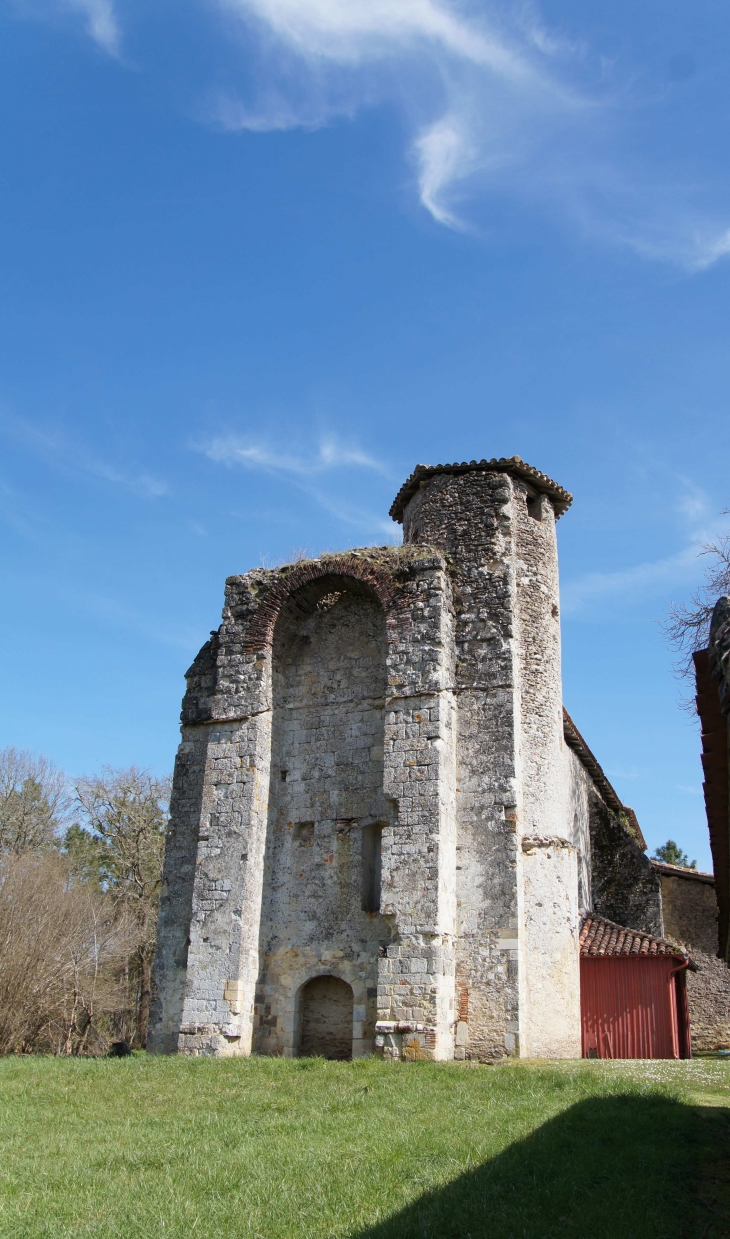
x=622, y=1167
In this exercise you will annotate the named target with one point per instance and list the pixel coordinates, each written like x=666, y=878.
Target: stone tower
x=370, y=845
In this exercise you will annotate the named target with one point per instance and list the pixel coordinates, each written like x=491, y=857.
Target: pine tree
x=671, y=854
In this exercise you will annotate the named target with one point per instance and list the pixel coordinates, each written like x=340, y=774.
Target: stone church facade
x=384, y=827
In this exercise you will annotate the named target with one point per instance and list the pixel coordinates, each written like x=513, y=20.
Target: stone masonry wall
x=416, y=1007
x=326, y=787
x=416, y=690
x=470, y=518
x=581, y=792
x=212, y=939
x=210, y=899
x=550, y=1000
x=708, y=993
x=624, y=885
x=690, y=919
x=690, y=911
x=504, y=582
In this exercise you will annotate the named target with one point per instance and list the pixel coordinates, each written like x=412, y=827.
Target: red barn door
x=629, y=1007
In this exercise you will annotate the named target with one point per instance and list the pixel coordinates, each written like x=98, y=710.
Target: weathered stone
x=373, y=787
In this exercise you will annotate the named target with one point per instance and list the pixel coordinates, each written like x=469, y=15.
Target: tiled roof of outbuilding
x=601, y=937
x=681, y=871
x=561, y=498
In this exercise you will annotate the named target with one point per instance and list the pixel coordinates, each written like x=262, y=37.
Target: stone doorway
x=326, y=1018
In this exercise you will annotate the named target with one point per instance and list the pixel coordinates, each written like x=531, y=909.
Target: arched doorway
x=326, y=1018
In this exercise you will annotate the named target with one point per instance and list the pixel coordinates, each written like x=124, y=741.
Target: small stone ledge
x=386, y=1027
x=530, y=843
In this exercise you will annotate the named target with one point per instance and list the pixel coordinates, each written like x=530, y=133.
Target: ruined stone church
x=384, y=827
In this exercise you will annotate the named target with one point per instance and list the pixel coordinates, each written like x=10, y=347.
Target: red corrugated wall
x=629, y=1007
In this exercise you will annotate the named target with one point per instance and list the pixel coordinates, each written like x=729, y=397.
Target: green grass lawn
x=270, y=1147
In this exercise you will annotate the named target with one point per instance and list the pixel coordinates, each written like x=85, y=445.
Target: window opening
x=372, y=836
x=303, y=834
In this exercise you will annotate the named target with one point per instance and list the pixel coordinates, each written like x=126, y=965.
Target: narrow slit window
x=534, y=506
x=372, y=836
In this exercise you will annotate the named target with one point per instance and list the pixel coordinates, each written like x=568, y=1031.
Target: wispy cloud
x=142, y=483
x=99, y=18
x=353, y=514
x=650, y=578
x=497, y=105
x=120, y=615
x=640, y=581
x=55, y=447
x=329, y=454
x=498, y=108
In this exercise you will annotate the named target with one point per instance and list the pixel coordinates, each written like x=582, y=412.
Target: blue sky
x=261, y=257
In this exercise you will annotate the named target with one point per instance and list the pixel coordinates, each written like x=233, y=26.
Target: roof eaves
x=601, y=939
x=682, y=871
x=608, y=794
x=514, y=465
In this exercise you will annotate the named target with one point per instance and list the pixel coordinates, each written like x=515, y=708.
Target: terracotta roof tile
x=599, y=937
x=561, y=498
x=681, y=871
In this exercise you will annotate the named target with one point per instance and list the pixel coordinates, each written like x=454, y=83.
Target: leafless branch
x=687, y=628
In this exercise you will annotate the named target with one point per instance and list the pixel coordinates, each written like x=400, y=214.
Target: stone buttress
x=368, y=828
x=517, y=963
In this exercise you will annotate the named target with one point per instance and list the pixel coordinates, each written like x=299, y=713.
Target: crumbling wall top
x=561, y=499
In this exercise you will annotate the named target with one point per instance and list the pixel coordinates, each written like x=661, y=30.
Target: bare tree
x=125, y=811
x=688, y=626
x=63, y=951
x=33, y=801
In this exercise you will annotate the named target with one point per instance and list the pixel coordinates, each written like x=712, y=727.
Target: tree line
x=80, y=874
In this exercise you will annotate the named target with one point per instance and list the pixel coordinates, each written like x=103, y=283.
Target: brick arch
x=261, y=628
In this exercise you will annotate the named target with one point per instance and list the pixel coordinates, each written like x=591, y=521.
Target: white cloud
x=639, y=582
x=444, y=154
x=694, y=505
x=99, y=17
x=498, y=108
x=53, y=446
x=101, y=22
x=328, y=457
x=142, y=483
x=329, y=454
x=357, y=30
x=497, y=105
x=698, y=525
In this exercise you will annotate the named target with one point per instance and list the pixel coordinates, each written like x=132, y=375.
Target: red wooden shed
x=632, y=994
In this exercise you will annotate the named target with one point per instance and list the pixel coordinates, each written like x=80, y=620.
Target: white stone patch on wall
x=550, y=1019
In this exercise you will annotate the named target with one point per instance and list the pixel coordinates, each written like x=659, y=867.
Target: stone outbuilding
x=384, y=828
x=690, y=911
